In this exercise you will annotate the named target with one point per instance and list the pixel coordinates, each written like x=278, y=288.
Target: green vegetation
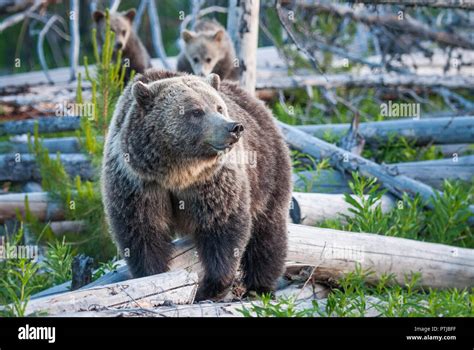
x=356, y=298
x=21, y=277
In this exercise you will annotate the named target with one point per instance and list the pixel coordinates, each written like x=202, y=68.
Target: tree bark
x=243, y=29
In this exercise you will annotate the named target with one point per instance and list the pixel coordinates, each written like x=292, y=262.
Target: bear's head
x=180, y=126
x=120, y=24
x=203, y=50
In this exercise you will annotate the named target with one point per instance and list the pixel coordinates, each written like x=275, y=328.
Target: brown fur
x=160, y=177
x=208, y=41
x=134, y=54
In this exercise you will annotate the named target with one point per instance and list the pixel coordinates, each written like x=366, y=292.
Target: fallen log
x=459, y=149
x=339, y=158
x=422, y=131
x=315, y=207
x=39, y=204
x=330, y=206
x=335, y=253
x=350, y=80
x=220, y=309
x=177, y=287
x=435, y=172
x=45, y=125
x=22, y=167
x=53, y=145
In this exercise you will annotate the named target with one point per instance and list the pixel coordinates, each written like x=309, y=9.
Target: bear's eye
x=197, y=113
x=220, y=109
x=208, y=60
x=196, y=60
x=124, y=32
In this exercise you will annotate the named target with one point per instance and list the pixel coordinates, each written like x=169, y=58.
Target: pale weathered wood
x=317, y=207
x=45, y=125
x=40, y=206
x=242, y=25
x=423, y=131
x=334, y=253
x=393, y=80
x=432, y=172
x=23, y=167
x=177, y=287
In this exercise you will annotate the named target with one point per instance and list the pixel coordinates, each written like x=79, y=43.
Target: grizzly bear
x=194, y=155
x=208, y=49
x=134, y=54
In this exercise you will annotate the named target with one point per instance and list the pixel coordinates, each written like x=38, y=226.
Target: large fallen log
x=177, y=287
x=222, y=309
x=422, y=131
x=314, y=208
x=334, y=253
x=339, y=158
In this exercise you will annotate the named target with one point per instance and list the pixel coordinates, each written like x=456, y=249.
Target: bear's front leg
x=220, y=249
x=139, y=221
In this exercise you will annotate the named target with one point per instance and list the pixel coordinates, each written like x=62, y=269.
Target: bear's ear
x=218, y=36
x=214, y=80
x=187, y=36
x=98, y=15
x=142, y=93
x=130, y=15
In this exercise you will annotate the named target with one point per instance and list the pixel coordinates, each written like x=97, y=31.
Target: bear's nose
x=235, y=129
x=118, y=46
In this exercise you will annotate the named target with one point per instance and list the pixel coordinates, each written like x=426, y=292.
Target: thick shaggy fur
x=160, y=177
x=208, y=40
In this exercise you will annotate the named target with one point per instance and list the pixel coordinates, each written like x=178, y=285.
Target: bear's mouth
x=220, y=148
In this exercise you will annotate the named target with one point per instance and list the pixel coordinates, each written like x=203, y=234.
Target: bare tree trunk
x=75, y=37
x=156, y=33
x=242, y=25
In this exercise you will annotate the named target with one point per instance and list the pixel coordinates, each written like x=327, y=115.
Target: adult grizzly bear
x=176, y=159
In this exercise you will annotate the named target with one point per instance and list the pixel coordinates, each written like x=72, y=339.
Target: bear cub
x=208, y=49
x=194, y=155
x=134, y=53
